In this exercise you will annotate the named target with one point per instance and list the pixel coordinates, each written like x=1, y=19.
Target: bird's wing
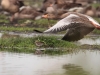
x=65, y=23
x=75, y=34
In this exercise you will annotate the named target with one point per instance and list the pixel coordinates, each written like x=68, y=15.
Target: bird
x=11, y=6
x=97, y=13
x=39, y=43
x=27, y=12
x=89, y=10
x=54, y=16
x=46, y=3
x=77, y=25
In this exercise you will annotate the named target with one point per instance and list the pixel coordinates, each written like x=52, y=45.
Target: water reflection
x=72, y=69
x=91, y=40
x=85, y=62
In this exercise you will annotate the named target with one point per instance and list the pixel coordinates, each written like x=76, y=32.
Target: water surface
x=84, y=62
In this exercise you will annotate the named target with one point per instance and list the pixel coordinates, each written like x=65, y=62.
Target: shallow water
x=85, y=62
x=90, y=40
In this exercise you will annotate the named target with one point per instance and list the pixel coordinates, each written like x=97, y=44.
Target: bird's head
x=45, y=16
x=94, y=22
x=49, y=16
x=96, y=25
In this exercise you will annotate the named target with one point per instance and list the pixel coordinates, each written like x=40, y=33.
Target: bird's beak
x=51, y=5
x=96, y=26
x=45, y=16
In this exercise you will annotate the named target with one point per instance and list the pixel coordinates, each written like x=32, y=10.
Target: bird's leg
x=49, y=23
x=11, y=18
x=46, y=17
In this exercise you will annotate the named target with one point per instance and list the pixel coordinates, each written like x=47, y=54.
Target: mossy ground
x=51, y=45
x=48, y=41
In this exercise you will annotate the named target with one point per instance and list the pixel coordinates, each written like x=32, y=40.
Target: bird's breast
x=5, y=4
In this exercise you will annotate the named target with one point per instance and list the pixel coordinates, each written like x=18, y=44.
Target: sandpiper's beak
x=45, y=16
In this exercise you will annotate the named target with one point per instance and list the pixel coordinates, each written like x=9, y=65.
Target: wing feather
x=65, y=23
x=77, y=33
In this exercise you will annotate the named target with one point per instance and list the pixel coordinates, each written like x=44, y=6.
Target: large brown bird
x=11, y=6
x=46, y=3
x=27, y=12
x=77, y=26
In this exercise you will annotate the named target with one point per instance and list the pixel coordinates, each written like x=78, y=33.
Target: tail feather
x=38, y=31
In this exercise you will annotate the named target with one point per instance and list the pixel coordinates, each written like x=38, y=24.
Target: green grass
x=33, y=23
x=19, y=29
x=49, y=41
x=97, y=19
x=24, y=25
x=96, y=31
x=23, y=44
x=3, y=19
x=52, y=45
x=95, y=5
x=53, y=41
